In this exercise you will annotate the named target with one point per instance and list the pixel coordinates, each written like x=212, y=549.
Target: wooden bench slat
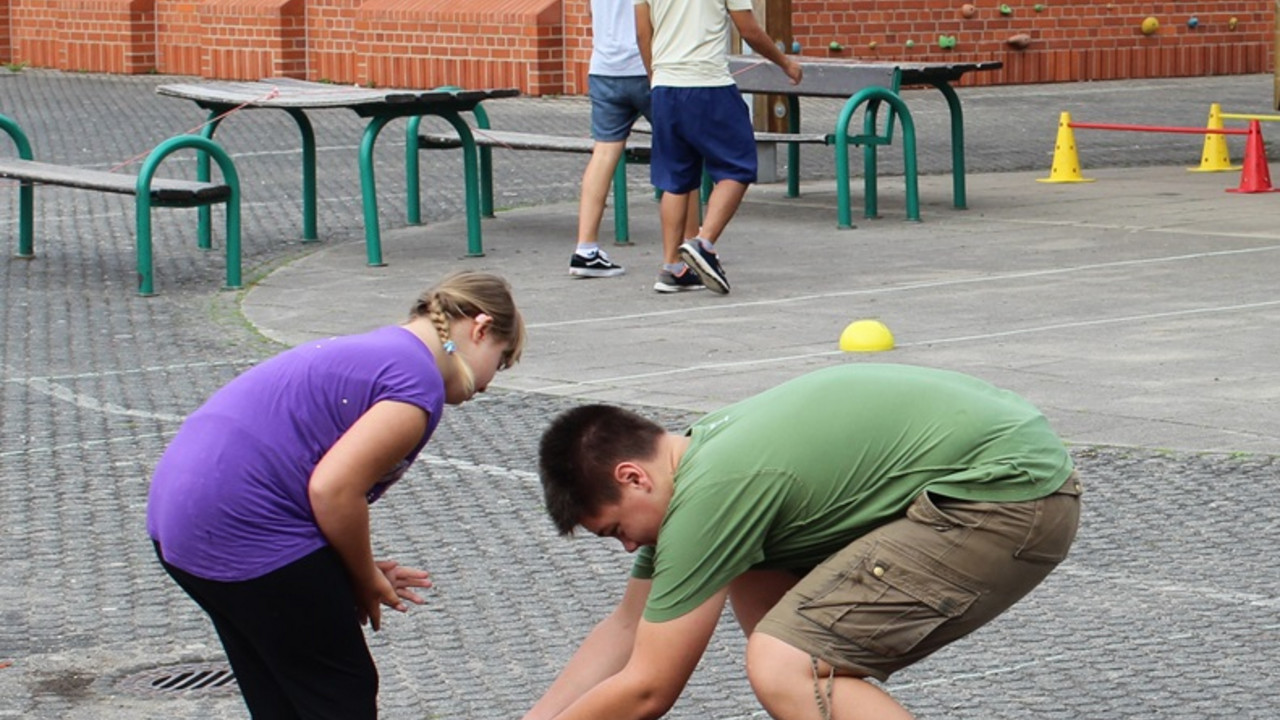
x=754, y=74
x=163, y=190
x=808, y=138
x=641, y=127
x=520, y=141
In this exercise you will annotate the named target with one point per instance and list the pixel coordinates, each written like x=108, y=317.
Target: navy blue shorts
x=616, y=102
x=697, y=127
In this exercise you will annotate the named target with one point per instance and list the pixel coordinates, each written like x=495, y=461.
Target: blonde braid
x=440, y=319
x=468, y=294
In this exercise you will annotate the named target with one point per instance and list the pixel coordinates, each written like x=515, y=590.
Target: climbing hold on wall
x=1006, y=10
x=1019, y=41
x=910, y=43
x=968, y=10
x=947, y=42
x=1038, y=7
x=835, y=46
x=1150, y=25
x=795, y=47
x=873, y=45
x=1193, y=21
x=1232, y=23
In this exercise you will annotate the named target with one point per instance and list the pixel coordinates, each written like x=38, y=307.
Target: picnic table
x=870, y=84
x=380, y=106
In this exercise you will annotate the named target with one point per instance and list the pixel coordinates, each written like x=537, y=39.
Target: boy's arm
x=644, y=35
x=755, y=36
x=662, y=659
x=603, y=653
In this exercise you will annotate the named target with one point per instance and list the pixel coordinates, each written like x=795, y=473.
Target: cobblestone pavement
x=1167, y=608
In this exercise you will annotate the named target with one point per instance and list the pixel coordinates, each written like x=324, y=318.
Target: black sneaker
x=706, y=264
x=669, y=282
x=597, y=265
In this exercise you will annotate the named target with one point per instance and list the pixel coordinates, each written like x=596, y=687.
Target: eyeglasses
x=506, y=360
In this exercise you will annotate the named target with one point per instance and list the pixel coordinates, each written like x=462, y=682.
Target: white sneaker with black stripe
x=594, y=265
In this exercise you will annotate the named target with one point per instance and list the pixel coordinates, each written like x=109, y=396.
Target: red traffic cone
x=1256, y=176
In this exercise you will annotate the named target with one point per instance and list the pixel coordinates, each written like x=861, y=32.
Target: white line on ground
x=59, y=392
x=82, y=444
x=919, y=343
x=466, y=466
x=984, y=673
x=909, y=287
x=141, y=370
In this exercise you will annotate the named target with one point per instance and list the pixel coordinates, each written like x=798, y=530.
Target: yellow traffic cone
x=1066, y=163
x=1216, y=156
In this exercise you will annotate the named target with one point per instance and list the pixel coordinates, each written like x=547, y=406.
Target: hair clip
x=449, y=347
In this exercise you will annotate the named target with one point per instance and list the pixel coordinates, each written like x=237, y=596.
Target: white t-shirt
x=691, y=41
x=613, y=39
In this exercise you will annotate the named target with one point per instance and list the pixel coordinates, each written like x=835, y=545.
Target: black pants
x=293, y=640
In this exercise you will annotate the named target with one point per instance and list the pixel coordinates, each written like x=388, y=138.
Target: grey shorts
x=908, y=588
x=616, y=104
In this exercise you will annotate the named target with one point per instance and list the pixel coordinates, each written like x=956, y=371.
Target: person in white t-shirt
x=700, y=122
x=618, y=86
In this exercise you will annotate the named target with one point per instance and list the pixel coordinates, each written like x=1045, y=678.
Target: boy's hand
x=793, y=70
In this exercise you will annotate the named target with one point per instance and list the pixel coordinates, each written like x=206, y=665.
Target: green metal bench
x=148, y=190
x=866, y=86
x=480, y=188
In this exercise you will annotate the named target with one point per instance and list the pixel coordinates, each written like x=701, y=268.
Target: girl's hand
x=402, y=579
x=372, y=596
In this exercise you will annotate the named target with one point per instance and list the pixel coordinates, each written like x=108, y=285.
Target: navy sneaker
x=706, y=264
x=596, y=265
x=669, y=282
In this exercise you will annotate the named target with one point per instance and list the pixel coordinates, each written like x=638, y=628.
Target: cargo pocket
x=889, y=600
x=1052, y=529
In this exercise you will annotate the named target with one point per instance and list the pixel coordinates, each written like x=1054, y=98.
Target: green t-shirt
x=788, y=477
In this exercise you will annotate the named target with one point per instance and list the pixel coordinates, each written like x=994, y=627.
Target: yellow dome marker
x=866, y=336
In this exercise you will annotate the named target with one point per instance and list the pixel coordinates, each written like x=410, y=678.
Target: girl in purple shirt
x=259, y=508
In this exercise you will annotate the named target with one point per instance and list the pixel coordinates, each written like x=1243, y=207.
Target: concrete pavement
x=1139, y=311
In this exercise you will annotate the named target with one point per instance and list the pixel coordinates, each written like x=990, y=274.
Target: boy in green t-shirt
x=859, y=518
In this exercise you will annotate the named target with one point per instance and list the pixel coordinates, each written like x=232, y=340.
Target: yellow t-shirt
x=691, y=41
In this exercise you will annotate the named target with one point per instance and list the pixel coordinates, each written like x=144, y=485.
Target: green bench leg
x=844, y=214
x=958, y=199
x=204, y=235
x=472, y=180
x=26, y=191
x=309, y=232
x=621, y=214
x=205, y=148
x=477, y=178
x=26, y=220
x=369, y=192
x=412, y=172
x=793, y=149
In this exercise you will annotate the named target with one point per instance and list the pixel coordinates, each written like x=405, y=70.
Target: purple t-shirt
x=228, y=500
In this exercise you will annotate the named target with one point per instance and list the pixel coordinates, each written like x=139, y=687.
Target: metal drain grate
x=183, y=679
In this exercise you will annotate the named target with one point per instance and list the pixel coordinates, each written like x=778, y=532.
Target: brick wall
x=331, y=41
x=471, y=43
x=231, y=39
x=5, y=51
x=108, y=35
x=542, y=46
x=1069, y=40
x=179, y=37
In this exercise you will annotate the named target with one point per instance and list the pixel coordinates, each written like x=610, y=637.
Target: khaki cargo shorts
x=908, y=588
